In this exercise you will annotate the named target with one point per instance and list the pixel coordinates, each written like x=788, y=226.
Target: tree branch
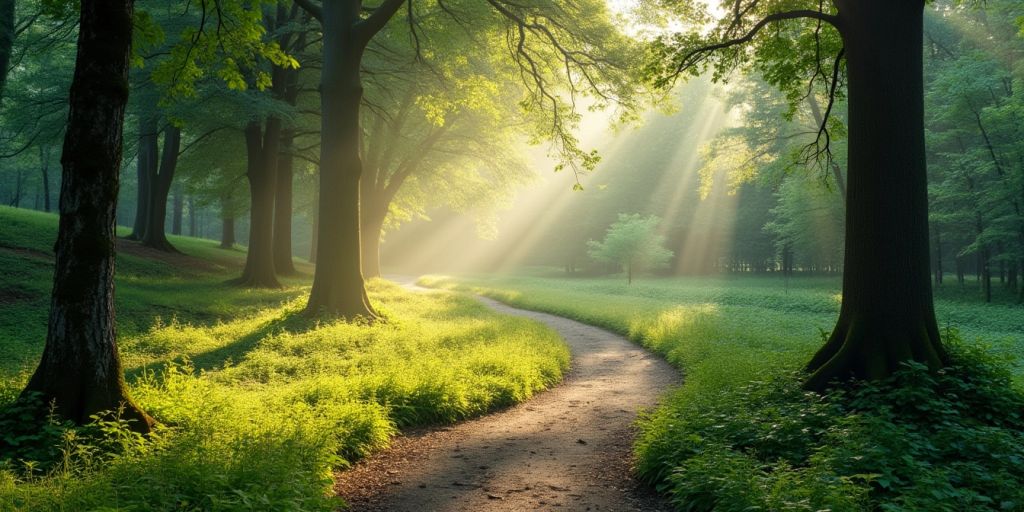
x=697, y=55
x=366, y=28
x=313, y=9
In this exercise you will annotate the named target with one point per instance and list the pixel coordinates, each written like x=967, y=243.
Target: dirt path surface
x=569, y=448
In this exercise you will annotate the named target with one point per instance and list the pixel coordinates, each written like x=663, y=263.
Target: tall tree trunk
x=986, y=273
x=192, y=216
x=179, y=210
x=80, y=372
x=19, y=180
x=44, y=166
x=148, y=156
x=286, y=87
x=261, y=151
x=371, y=232
x=338, y=286
x=227, y=232
x=887, y=315
x=6, y=40
x=960, y=271
x=155, y=235
x=227, y=222
x=315, y=232
x=283, y=207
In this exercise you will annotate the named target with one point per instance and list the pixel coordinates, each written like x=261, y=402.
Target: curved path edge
x=568, y=448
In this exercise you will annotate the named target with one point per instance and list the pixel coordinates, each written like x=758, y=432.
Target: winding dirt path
x=569, y=448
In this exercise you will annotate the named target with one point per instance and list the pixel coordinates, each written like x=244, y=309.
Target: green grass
x=740, y=434
x=259, y=404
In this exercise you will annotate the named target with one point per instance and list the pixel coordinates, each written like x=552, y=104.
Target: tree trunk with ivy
x=80, y=373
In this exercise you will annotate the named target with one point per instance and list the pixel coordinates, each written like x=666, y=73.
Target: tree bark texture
x=338, y=285
x=80, y=372
x=887, y=315
x=261, y=150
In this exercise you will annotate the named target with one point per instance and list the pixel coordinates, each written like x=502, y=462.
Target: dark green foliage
x=26, y=436
x=952, y=440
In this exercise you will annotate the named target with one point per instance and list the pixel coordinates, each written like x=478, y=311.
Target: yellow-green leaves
x=229, y=42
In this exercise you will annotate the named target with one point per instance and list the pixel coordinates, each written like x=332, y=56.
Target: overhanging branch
x=697, y=55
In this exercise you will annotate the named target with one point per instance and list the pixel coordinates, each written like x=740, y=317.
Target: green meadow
x=258, y=403
x=741, y=434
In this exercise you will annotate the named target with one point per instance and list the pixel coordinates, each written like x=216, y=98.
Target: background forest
x=683, y=176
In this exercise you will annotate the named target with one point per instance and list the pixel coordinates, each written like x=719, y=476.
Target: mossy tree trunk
x=80, y=372
x=887, y=315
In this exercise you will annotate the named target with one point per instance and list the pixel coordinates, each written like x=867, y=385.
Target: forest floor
x=569, y=448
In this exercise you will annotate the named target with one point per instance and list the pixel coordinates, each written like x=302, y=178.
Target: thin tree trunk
x=160, y=188
x=6, y=40
x=887, y=315
x=372, y=231
x=938, y=257
x=283, y=208
x=80, y=373
x=315, y=233
x=837, y=173
x=19, y=179
x=148, y=156
x=44, y=165
x=179, y=210
x=192, y=217
x=986, y=273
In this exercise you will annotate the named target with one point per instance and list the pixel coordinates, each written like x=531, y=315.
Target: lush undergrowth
x=741, y=434
x=257, y=403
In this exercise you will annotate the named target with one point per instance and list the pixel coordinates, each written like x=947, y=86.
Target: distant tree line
x=779, y=211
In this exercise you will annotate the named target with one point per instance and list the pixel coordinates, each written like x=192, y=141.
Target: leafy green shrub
x=949, y=440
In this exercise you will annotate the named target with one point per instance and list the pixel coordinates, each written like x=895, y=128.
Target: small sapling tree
x=632, y=242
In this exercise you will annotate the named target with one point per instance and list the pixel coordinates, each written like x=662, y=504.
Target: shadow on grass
x=294, y=321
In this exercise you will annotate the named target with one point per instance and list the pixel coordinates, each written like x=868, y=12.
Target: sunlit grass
x=259, y=403
x=741, y=434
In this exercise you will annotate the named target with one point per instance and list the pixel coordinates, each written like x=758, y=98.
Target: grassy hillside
x=741, y=434
x=258, y=402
